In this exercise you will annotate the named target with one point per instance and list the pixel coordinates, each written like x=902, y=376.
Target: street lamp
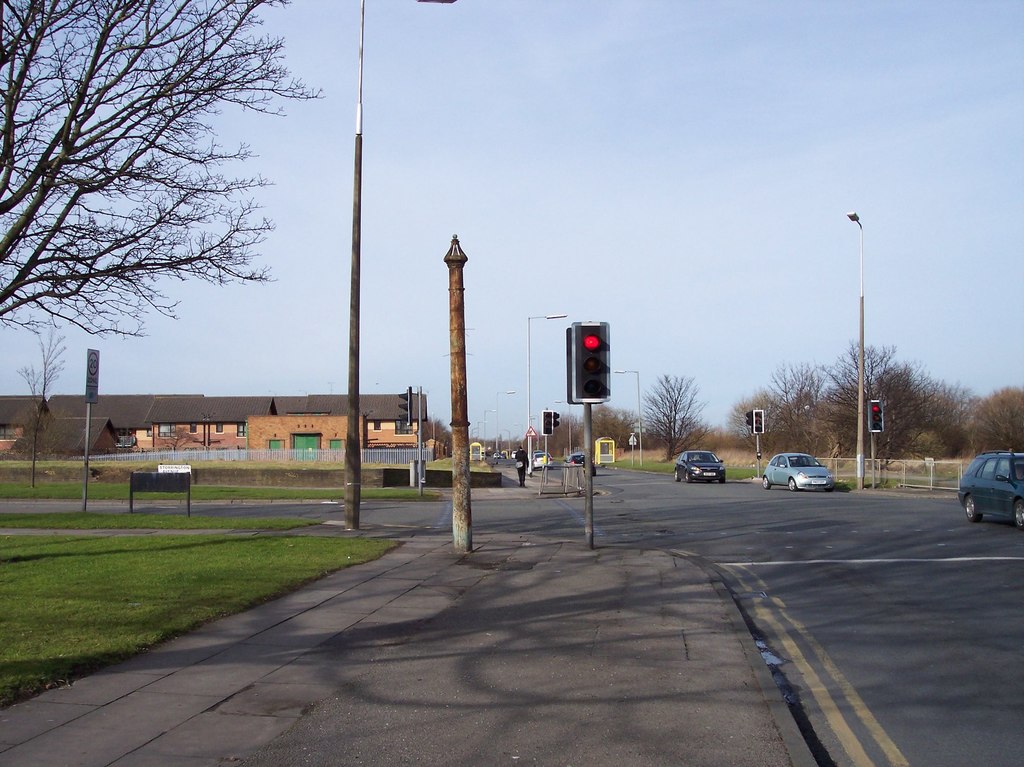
x=353, y=447
x=529, y=404
x=483, y=434
x=639, y=415
x=852, y=215
x=497, y=431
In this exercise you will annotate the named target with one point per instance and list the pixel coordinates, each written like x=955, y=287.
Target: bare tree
x=109, y=170
x=612, y=423
x=912, y=400
x=794, y=408
x=40, y=383
x=672, y=414
x=999, y=420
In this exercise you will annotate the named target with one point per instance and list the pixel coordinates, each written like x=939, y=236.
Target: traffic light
x=554, y=421
x=758, y=421
x=750, y=421
x=588, y=363
x=406, y=405
x=546, y=426
x=876, y=416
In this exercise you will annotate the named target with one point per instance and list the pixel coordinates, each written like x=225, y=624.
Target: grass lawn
x=88, y=520
x=71, y=605
x=99, y=491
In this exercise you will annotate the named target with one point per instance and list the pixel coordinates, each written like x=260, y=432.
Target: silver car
x=798, y=471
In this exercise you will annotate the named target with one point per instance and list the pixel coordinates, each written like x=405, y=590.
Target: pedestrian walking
x=521, y=459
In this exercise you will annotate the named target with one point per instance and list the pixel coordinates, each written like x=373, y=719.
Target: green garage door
x=305, y=443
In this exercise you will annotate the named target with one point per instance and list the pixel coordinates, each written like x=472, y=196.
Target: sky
x=679, y=169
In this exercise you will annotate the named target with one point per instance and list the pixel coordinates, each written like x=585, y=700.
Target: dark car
x=579, y=459
x=699, y=466
x=994, y=484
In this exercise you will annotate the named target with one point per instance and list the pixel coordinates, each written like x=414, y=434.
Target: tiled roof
x=125, y=411
x=138, y=411
x=14, y=409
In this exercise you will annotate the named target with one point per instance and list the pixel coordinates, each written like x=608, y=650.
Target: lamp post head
x=852, y=215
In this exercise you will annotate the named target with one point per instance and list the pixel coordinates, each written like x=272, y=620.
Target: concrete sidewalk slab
x=526, y=650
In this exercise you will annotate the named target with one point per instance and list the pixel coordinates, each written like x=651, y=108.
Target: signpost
x=92, y=395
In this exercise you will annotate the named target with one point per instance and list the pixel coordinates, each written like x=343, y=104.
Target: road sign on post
x=92, y=376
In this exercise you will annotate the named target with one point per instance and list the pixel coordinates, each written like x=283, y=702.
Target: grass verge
x=119, y=492
x=73, y=605
x=88, y=520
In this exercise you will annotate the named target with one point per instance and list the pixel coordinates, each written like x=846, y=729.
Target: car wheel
x=677, y=475
x=792, y=484
x=765, y=483
x=1018, y=513
x=689, y=478
x=721, y=480
x=970, y=510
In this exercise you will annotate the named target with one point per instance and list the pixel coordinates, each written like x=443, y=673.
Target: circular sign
x=93, y=362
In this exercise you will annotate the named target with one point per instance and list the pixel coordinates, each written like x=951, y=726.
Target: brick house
x=320, y=422
x=14, y=412
x=194, y=421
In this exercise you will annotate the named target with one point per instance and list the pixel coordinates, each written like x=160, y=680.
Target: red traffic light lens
x=591, y=342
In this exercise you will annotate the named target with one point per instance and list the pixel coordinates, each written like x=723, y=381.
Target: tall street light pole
x=639, y=412
x=529, y=403
x=852, y=215
x=497, y=430
x=353, y=446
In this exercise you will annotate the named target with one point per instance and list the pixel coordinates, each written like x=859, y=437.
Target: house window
x=219, y=428
x=241, y=429
x=193, y=428
x=165, y=429
x=336, y=444
x=375, y=425
x=8, y=431
x=401, y=427
x=275, y=444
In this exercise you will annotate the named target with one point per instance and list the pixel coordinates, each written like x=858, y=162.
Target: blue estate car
x=798, y=471
x=994, y=484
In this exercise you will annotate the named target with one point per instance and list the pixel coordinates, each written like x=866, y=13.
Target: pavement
x=527, y=650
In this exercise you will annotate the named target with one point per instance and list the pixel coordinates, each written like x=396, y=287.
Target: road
x=894, y=626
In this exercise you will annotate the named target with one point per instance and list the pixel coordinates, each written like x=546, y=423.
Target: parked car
x=579, y=459
x=798, y=471
x=699, y=466
x=994, y=484
x=541, y=459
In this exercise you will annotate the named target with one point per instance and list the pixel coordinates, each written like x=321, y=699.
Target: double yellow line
x=773, y=614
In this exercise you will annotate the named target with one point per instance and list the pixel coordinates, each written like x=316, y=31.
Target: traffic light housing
x=588, y=362
x=549, y=420
x=406, y=405
x=757, y=417
x=750, y=421
x=876, y=416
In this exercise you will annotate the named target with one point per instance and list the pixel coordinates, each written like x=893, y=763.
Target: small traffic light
x=554, y=420
x=588, y=362
x=545, y=423
x=406, y=405
x=876, y=416
x=750, y=421
x=758, y=419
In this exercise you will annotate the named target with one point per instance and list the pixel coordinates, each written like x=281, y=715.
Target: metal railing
x=925, y=473
x=388, y=456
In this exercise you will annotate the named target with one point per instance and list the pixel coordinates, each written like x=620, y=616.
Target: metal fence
x=396, y=456
x=926, y=473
